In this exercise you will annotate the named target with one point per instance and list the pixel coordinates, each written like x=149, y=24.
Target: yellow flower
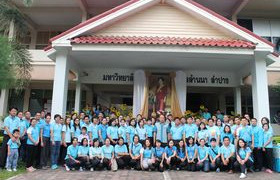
x=201, y=107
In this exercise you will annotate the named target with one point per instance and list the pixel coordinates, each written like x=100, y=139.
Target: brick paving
x=61, y=174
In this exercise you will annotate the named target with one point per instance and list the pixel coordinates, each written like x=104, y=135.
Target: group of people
x=157, y=143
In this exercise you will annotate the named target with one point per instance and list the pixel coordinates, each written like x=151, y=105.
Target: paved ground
x=139, y=175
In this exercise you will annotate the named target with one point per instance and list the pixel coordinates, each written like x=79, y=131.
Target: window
x=26, y=40
x=16, y=99
x=246, y=23
x=276, y=41
x=43, y=38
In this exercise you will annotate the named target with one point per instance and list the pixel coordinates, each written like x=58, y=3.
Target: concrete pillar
x=78, y=96
x=26, y=99
x=4, y=101
x=33, y=39
x=222, y=102
x=60, y=84
x=181, y=89
x=237, y=100
x=260, y=87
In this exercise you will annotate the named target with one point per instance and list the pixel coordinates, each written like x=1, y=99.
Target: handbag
x=114, y=166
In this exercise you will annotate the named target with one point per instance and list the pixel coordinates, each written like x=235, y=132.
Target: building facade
x=99, y=52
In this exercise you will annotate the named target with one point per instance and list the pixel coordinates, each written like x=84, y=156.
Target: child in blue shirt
x=267, y=147
x=170, y=155
x=202, y=151
x=12, y=156
x=191, y=152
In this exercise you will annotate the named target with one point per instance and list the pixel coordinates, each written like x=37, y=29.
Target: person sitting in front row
x=71, y=156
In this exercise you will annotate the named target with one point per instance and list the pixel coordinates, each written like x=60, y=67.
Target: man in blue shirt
x=45, y=141
x=258, y=143
x=161, y=131
x=11, y=123
x=227, y=155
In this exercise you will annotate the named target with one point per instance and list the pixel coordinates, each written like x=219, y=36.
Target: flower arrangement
x=121, y=109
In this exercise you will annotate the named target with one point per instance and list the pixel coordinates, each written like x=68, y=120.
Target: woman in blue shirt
x=122, y=131
x=203, y=152
x=32, y=143
x=141, y=131
x=243, y=157
x=76, y=128
x=181, y=156
x=56, y=129
x=112, y=132
x=108, y=153
x=147, y=156
x=159, y=156
x=45, y=141
x=267, y=147
x=122, y=155
x=131, y=131
x=95, y=155
x=227, y=132
x=150, y=130
x=170, y=155
x=66, y=139
x=134, y=152
x=83, y=154
x=191, y=152
x=202, y=132
x=71, y=156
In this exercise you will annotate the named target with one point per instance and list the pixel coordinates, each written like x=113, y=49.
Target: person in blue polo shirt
x=134, y=152
x=267, y=147
x=177, y=131
x=246, y=133
x=83, y=154
x=12, y=156
x=141, y=131
x=121, y=154
x=102, y=131
x=71, y=156
x=190, y=129
x=122, y=131
x=181, y=156
x=170, y=155
x=45, y=141
x=94, y=129
x=258, y=143
x=161, y=131
x=147, y=156
x=108, y=153
x=214, y=155
x=150, y=130
x=31, y=145
x=191, y=152
x=56, y=130
x=11, y=123
x=227, y=155
x=131, y=131
x=243, y=157
x=214, y=131
x=203, y=152
x=76, y=129
x=95, y=155
x=159, y=156
x=112, y=132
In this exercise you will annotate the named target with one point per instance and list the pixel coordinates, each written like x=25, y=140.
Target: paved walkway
x=139, y=175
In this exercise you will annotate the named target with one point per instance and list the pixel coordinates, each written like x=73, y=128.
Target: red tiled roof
x=163, y=40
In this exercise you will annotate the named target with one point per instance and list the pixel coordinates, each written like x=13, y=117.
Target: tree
x=15, y=59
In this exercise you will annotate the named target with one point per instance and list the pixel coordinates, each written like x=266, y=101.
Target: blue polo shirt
x=214, y=151
x=83, y=150
x=94, y=130
x=202, y=152
x=103, y=129
x=46, y=128
x=135, y=149
x=95, y=151
x=120, y=149
x=67, y=131
x=258, y=136
x=245, y=133
x=113, y=132
x=162, y=130
x=13, y=145
x=177, y=132
x=34, y=134
x=191, y=151
x=141, y=133
x=76, y=132
x=131, y=131
x=206, y=115
x=266, y=136
x=202, y=134
x=122, y=133
x=243, y=153
x=214, y=132
x=158, y=152
x=72, y=151
x=22, y=127
x=107, y=151
x=57, y=129
x=170, y=151
x=149, y=130
x=226, y=151
x=190, y=130
x=181, y=153
x=230, y=135
x=11, y=123
x=147, y=153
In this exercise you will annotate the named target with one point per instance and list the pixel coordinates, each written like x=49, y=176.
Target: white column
x=138, y=91
x=26, y=99
x=60, y=84
x=78, y=96
x=33, y=39
x=181, y=89
x=4, y=101
x=260, y=87
x=237, y=100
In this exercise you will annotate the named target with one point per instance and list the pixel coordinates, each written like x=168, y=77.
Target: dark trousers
x=3, y=154
x=157, y=165
x=95, y=163
x=22, y=149
x=248, y=164
x=135, y=164
x=216, y=165
x=72, y=164
x=230, y=165
x=268, y=158
x=203, y=166
x=30, y=155
x=107, y=163
x=191, y=166
x=45, y=151
x=84, y=162
x=123, y=161
x=62, y=153
x=180, y=164
x=258, y=158
x=172, y=163
x=38, y=155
